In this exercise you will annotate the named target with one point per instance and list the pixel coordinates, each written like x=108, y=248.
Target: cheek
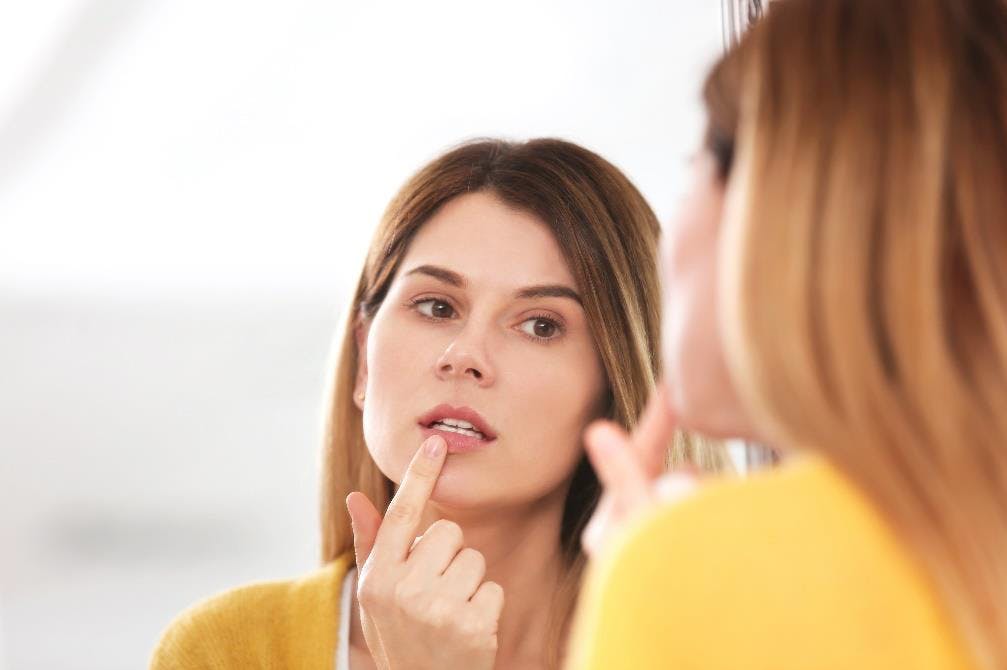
x=690, y=335
x=395, y=370
x=682, y=276
x=556, y=398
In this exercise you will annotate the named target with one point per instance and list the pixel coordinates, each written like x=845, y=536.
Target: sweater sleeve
x=709, y=582
x=267, y=625
x=621, y=619
x=692, y=585
x=786, y=570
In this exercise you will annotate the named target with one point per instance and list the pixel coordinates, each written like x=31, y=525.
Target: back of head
x=865, y=260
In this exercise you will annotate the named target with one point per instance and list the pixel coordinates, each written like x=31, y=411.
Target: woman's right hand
x=423, y=601
x=630, y=467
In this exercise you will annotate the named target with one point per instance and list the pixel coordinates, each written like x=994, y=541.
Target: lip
x=458, y=443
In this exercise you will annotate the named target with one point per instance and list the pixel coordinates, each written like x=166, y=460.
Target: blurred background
x=186, y=192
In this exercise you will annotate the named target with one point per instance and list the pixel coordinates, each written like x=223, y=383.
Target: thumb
x=653, y=433
x=365, y=521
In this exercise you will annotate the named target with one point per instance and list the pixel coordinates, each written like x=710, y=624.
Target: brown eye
x=435, y=309
x=543, y=329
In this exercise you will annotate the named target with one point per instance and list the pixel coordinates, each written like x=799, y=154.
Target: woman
x=509, y=297
x=850, y=200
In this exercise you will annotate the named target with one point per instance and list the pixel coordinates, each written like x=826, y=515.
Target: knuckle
x=369, y=593
x=476, y=627
x=449, y=530
x=495, y=593
x=473, y=557
x=471, y=630
x=438, y=613
x=488, y=642
x=407, y=594
x=401, y=512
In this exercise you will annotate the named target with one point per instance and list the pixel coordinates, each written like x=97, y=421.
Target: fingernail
x=434, y=446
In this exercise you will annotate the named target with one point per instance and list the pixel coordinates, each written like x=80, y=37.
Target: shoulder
x=782, y=515
x=273, y=624
x=774, y=511
x=796, y=552
x=773, y=514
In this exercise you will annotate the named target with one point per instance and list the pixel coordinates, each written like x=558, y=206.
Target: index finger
x=398, y=530
x=653, y=433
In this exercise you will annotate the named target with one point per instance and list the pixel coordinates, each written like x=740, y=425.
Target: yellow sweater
x=290, y=624
x=790, y=570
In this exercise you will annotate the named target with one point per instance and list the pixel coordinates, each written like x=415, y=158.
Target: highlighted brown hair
x=865, y=260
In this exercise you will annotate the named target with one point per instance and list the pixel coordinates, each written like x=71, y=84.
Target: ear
x=360, y=331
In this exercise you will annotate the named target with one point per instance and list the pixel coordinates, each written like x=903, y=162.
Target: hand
x=423, y=602
x=630, y=468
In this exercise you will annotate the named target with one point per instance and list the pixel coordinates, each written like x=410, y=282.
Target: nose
x=464, y=358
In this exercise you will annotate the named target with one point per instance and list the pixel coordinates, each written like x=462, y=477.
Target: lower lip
x=457, y=443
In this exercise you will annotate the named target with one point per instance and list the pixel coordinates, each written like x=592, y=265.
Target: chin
x=457, y=488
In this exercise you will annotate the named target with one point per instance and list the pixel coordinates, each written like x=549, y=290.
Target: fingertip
x=604, y=432
x=606, y=458
x=349, y=508
x=361, y=509
x=435, y=446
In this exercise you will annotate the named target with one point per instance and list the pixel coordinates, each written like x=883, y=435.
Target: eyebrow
x=530, y=292
x=550, y=291
x=443, y=274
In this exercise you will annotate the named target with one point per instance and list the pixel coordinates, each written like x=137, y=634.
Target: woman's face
x=699, y=388
x=482, y=339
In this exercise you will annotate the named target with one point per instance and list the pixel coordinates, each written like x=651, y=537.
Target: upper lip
x=463, y=413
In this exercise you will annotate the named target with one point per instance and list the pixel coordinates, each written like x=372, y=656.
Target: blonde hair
x=608, y=235
x=865, y=262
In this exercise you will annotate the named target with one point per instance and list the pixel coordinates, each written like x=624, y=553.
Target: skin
x=697, y=385
x=530, y=367
x=697, y=393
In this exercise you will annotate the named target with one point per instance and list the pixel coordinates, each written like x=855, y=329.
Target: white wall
x=186, y=189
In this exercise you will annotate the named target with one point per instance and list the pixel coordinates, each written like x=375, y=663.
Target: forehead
x=490, y=243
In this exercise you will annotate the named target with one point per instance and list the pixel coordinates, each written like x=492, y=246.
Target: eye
x=434, y=308
x=541, y=328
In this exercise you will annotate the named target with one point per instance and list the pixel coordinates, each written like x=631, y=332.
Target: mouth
x=463, y=428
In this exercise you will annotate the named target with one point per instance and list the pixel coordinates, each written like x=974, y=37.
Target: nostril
x=476, y=373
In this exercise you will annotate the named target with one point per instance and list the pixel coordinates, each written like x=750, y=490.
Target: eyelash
x=560, y=328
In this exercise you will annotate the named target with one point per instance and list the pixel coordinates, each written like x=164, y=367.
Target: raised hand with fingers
x=423, y=603
x=630, y=468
